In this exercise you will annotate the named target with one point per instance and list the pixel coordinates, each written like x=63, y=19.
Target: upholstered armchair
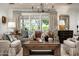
x=71, y=46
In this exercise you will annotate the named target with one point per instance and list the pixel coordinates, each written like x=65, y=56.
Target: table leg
x=25, y=51
x=57, y=51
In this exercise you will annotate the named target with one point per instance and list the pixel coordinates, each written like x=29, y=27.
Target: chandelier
x=42, y=8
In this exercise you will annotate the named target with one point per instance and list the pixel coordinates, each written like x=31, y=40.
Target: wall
x=3, y=27
x=73, y=21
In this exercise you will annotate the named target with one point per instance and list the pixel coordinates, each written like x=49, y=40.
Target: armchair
x=71, y=46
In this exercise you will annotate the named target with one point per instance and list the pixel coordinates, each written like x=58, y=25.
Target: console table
x=34, y=45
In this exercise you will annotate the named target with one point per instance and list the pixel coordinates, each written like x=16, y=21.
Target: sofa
x=13, y=45
x=71, y=46
x=4, y=47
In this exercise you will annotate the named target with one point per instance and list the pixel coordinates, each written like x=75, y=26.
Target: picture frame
x=3, y=19
x=65, y=18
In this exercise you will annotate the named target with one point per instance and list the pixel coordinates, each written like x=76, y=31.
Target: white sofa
x=11, y=49
x=71, y=46
x=11, y=45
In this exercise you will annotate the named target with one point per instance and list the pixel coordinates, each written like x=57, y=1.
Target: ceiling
x=74, y=6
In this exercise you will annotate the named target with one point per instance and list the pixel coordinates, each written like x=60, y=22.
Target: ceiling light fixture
x=42, y=8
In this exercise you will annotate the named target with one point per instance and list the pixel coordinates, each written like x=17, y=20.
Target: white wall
x=3, y=27
x=8, y=14
x=73, y=21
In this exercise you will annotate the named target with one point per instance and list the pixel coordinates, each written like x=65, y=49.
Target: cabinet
x=63, y=35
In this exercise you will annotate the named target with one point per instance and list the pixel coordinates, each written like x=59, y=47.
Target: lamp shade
x=61, y=22
x=11, y=24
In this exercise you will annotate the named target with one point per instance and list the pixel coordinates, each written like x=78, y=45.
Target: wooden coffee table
x=35, y=45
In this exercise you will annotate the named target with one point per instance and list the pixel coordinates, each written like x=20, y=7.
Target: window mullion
x=41, y=22
x=30, y=24
x=23, y=23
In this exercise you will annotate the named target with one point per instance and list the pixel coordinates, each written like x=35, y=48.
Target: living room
x=23, y=20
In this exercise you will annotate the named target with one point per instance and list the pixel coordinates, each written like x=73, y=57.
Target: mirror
x=64, y=22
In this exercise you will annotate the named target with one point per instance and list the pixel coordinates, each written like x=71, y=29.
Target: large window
x=45, y=23
x=35, y=21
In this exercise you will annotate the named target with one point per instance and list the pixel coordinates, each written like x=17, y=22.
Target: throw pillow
x=6, y=37
x=11, y=39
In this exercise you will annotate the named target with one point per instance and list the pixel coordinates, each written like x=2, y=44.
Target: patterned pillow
x=6, y=37
x=11, y=38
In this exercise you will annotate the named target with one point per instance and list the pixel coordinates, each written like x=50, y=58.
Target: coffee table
x=35, y=45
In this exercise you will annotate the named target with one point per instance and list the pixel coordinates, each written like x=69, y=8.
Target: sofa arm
x=15, y=43
x=70, y=43
x=77, y=44
x=15, y=48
